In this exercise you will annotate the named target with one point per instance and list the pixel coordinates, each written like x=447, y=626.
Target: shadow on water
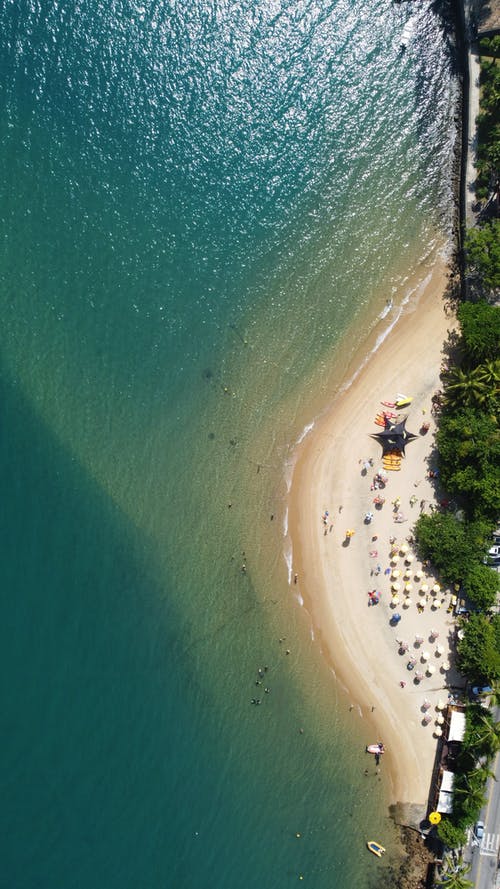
x=103, y=729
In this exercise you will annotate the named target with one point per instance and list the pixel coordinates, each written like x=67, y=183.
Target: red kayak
x=388, y=403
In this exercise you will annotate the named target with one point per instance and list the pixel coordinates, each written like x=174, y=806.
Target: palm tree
x=466, y=387
x=479, y=776
x=486, y=736
x=454, y=880
x=454, y=875
x=473, y=798
x=489, y=372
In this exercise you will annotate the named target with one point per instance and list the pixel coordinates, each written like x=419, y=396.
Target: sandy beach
x=332, y=491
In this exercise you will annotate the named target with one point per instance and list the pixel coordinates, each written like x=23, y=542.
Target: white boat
x=407, y=34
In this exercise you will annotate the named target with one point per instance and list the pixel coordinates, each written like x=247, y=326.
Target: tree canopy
x=478, y=653
x=446, y=542
x=480, y=327
x=482, y=247
x=482, y=585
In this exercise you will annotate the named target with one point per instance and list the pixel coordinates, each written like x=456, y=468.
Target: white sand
x=334, y=579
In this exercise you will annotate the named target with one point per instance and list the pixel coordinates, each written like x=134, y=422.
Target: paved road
x=484, y=855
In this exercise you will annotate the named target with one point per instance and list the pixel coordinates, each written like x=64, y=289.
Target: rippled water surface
x=198, y=200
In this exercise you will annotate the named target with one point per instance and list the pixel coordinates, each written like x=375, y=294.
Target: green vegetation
x=456, y=538
x=445, y=540
x=454, y=876
x=480, y=326
x=482, y=586
x=480, y=745
x=482, y=247
x=488, y=123
x=478, y=653
x=453, y=837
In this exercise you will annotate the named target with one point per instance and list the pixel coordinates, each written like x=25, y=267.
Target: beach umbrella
x=395, y=600
x=436, y=588
x=426, y=704
x=440, y=720
x=431, y=669
x=394, y=560
x=427, y=719
x=434, y=634
x=436, y=604
x=403, y=646
x=445, y=666
x=440, y=704
x=396, y=573
x=395, y=618
x=403, y=549
x=419, y=575
x=438, y=731
x=408, y=587
x=407, y=574
x=409, y=559
x=396, y=586
x=439, y=649
x=435, y=817
x=425, y=655
x=407, y=602
x=424, y=588
x=418, y=675
x=419, y=640
x=412, y=660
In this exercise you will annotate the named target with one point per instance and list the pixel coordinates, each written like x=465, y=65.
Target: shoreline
x=333, y=578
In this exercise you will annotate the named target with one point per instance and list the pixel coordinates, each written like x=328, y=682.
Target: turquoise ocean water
x=199, y=200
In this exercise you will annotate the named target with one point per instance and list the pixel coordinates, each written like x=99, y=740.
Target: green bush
x=451, y=836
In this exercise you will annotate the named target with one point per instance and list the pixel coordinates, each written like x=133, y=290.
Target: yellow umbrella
x=395, y=600
x=435, y=817
x=408, y=587
x=436, y=588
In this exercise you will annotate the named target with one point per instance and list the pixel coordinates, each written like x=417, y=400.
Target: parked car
x=479, y=830
x=494, y=550
x=482, y=690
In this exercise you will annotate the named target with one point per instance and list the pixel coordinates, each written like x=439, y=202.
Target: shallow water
x=198, y=201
